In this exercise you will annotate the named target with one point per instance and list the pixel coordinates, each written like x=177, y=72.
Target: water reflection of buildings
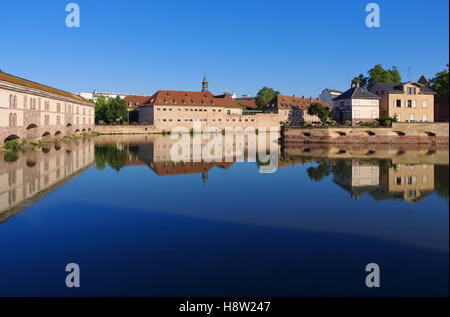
x=382, y=171
x=201, y=156
x=356, y=176
x=33, y=175
x=409, y=181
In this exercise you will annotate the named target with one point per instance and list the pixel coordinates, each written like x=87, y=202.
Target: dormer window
x=411, y=90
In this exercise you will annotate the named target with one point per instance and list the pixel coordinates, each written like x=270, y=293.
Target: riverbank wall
x=399, y=133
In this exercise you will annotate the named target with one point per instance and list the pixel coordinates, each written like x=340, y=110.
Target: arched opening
x=431, y=152
x=46, y=135
x=58, y=133
x=307, y=134
x=31, y=126
x=57, y=147
x=11, y=138
x=69, y=125
x=77, y=131
x=84, y=130
x=45, y=150
x=370, y=152
x=31, y=163
x=400, y=152
x=307, y=150
x=370, y=133
x=89, y=130
x=340, y=133
x=341, y=151
x=430, y=133
x=399, y=133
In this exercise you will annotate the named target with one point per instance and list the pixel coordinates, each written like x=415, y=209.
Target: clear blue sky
x=296, y=47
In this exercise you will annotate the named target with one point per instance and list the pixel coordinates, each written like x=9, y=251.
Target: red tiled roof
x=286, y=102
x=135, y=100
x=190, y=98
x=30, y=84
x=250, y=104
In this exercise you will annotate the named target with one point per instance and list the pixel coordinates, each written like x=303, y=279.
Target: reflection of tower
x=205, y=84
x=205, y=177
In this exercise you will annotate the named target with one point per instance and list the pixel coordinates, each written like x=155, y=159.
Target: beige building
x=168, y=109
x=32, y=111
x=356, y=105
x=408, y=102
x=293, y=109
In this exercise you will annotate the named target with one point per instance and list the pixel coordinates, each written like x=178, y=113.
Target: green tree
x=322, y=170
x=110, y=110
x=119, y=110
x=362, y=80
x=440, y=83
x=380, y=75
x=264, y=96
x=316, y=109
x=101, y=108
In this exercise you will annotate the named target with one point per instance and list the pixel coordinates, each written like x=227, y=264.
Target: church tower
x=205, y=84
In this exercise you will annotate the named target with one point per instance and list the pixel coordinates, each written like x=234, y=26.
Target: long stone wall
x=398, y=133
x=257, y=121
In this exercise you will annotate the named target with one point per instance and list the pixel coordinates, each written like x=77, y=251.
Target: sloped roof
x=357, y=93
x=287, y=102
x=398, y=88
x=251, y=104
x=31, y=84
x=334, y=91
x=135, y=100
x=190, y=98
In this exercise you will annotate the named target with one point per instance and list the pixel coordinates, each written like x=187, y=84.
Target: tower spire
x=205, y=84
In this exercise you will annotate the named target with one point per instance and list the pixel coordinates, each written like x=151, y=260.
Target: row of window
x=13, y=120
x=409, y=103
x=357, y=114
x=192, y=110
x=35, y=104
x=410, y=180
x=412, y=117
x=203, y=120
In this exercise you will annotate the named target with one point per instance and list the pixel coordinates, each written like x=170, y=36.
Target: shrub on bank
x=12, y=145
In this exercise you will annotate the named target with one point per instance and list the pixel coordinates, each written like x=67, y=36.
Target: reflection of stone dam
x=36, y=173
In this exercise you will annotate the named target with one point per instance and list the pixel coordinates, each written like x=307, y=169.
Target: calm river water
x=302, y=221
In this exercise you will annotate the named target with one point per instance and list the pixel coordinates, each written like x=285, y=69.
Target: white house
x=356, y=105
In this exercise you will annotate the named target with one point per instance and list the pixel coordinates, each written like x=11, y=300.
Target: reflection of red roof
x=190, y=98
x=170, y=168
x=134, y=161
x=250, y=104
x=135, y=101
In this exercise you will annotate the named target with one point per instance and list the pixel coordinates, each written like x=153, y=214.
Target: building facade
x=356, y=105
x=293, y=109
x=327, y=95
x=33, y=111
x=408, y=102
x=169, y=109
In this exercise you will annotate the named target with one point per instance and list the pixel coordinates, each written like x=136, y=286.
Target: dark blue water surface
x=142, y=226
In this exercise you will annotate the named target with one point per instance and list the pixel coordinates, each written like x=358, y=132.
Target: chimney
x=355, y=84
